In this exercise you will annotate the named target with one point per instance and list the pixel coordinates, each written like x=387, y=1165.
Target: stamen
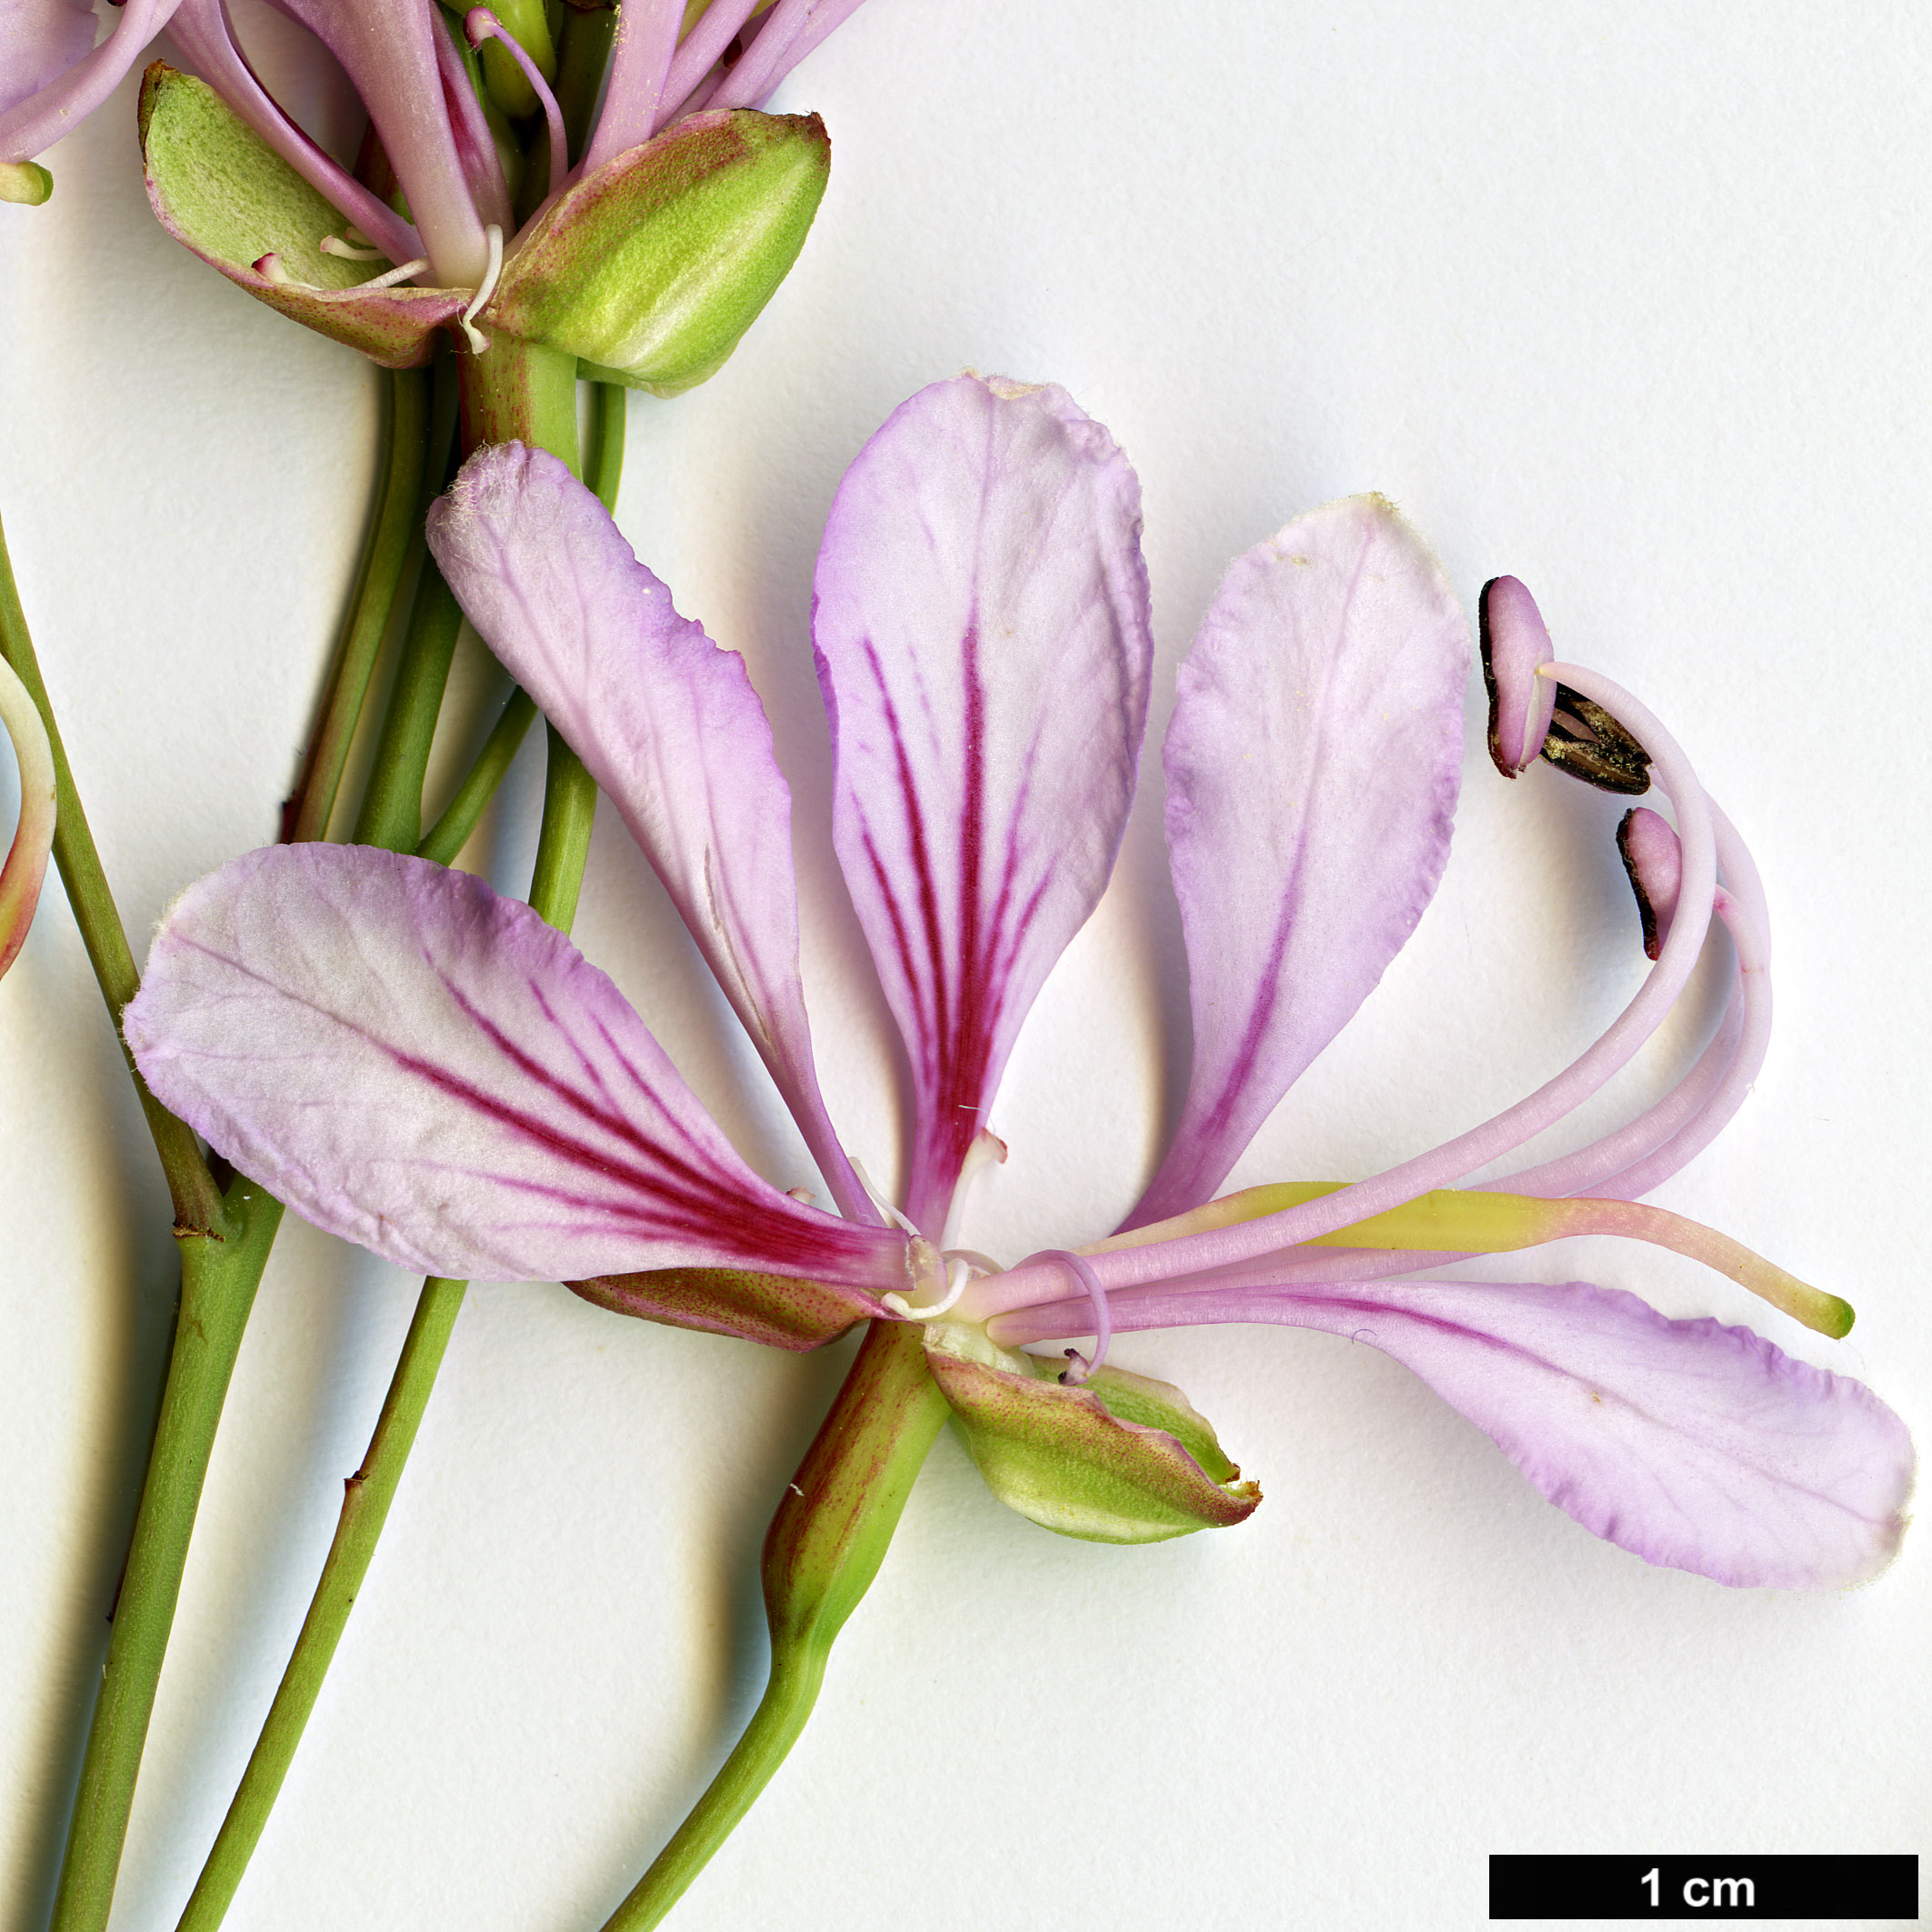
x=479, y=343
x=1079, y=1367
x=481, y=25
x=337, y=245
x=957, y=1273
x=879, y=1201
x=269, y=267
x=393, y=279
x=987, y=1149
x=983, y=1263
x=1194, y=1255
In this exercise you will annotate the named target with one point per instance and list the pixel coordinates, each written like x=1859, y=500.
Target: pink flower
x=423, y=1066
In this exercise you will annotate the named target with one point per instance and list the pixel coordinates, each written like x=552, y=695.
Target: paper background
x=1629, y=302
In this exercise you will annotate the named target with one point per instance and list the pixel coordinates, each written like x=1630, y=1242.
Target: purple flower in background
x=421, y=1066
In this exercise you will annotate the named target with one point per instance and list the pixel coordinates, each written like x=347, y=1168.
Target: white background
x=1629, y=301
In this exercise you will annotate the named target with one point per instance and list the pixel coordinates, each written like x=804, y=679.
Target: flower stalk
x=563, y=848
x=394, y=535
x=822, y=1552
x=191, y=1187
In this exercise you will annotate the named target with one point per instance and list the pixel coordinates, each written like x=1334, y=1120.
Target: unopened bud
x=652, y=268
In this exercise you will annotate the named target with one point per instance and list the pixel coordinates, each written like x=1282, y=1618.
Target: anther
x=1078, y=1367
x=1586, y=742
x=337, y=245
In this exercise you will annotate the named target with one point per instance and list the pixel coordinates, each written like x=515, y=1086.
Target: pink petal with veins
x=1693, y=1444
x=1312, y=771
x=981, y=629
x=417, y=1063
x=667, y=723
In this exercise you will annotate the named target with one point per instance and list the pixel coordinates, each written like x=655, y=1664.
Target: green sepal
x=651, y=269
x=782, y=1311
x=1119, y=1460
x=25, y=182
x=221, y=190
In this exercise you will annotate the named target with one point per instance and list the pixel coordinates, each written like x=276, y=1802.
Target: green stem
x=190, y=1185
x=603, y=469
x=563, y=847
x=396, y=525
x=391, y=805
x=604, y=461
x=365, y=1509
x=823, y=1548
x=451, y=832
x=218, y=1281
x=220, y=1278
x=583, y=55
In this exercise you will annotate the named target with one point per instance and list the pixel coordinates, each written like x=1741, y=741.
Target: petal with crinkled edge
x=417, y=1063
x=1121, y=1459
x=1693, y=1444
x=1311, y=764
x=981, y=629
x=220, y=190
x=666, y=723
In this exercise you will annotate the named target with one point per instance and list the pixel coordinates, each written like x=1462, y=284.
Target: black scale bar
x=1797, y=1886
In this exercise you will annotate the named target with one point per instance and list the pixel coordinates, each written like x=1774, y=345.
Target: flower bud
x=1119, y=1460
x=651, y=269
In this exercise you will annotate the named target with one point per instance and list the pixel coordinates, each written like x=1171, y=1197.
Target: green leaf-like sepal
x=651, y=269
x=221, y=190
x=1120, y=1459
x=779, y=1310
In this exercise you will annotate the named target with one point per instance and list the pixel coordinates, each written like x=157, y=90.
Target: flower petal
x=1312, y=770
x=387, y=49
x=45, y=95
x=421, y=1066
x=39, y=41
x=1693, y=1444
x=981, y=627
x=666, y=723
x=33, y=840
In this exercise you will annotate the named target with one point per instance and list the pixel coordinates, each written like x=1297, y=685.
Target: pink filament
x=480, y=24
x=1221, y=1248
x=1103, y=1330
